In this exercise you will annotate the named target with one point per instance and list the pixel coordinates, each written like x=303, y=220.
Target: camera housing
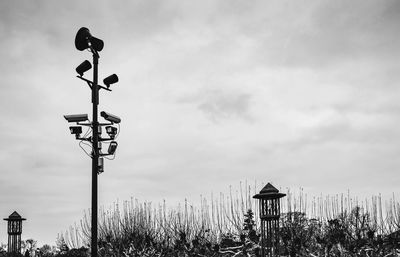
x=76, y=130
x=76, y=117
x=112, y=147
x=110, y=117
x=111, y=131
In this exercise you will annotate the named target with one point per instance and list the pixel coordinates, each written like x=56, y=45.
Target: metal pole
x=95, y=157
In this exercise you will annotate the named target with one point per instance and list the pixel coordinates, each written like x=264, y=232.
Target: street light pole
x=95, y=154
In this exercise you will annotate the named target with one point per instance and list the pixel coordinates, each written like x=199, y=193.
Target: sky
x=303, y=94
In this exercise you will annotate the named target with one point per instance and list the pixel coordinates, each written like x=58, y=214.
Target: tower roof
x=269, y=192
x=14, y=216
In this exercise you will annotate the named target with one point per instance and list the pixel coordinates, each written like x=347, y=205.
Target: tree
x=61, y=244
x=46, y=251
x=248, y=226
x=296, y=233
x=29, y=245
x=3, y=248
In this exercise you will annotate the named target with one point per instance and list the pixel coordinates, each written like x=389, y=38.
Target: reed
x=140, y=225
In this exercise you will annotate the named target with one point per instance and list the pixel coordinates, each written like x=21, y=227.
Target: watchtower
x=14, y=224
x=269, y=202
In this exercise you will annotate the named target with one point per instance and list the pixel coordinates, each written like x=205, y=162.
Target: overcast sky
x=211, y=93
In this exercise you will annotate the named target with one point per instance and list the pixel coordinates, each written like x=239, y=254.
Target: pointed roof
x=269, y=192
x=14, y=216
x=269, y=189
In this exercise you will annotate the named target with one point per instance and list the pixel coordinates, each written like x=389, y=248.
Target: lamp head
x=84, y=40
x=83, y=67
x=110, y=80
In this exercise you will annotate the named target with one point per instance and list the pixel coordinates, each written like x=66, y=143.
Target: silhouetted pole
x=85, y=41
x=95, y=158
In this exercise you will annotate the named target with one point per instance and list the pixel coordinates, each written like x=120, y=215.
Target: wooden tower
x=269, y=203
x=14, y=232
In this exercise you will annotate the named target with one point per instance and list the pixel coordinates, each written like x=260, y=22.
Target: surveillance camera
x=110, y=117
x=111, y=131
x=76, y=117
x=112, y=147
x=77, y=130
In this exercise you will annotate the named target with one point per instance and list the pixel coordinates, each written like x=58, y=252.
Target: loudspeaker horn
x=83, y=38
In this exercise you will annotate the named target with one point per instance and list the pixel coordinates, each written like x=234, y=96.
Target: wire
x=88, y=131
x=80, y=145
x=83, y=142
x=110, y=158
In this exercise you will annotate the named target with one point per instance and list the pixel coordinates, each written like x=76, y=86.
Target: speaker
x=83, y=38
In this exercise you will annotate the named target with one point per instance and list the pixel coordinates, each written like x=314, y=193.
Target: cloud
x=324, y=34
x=219, y=105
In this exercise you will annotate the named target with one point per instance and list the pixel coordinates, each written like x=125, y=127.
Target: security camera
x=110, y=117
x=111, y=131
x=76, y=117
x=76, y=130
x=112, y=147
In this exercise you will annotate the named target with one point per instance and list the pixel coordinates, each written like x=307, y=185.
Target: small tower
x=269, y=199
x=14, y=232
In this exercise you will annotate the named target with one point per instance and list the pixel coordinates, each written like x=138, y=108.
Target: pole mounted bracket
x=90, y=83
x=89, y=139
x=105, y=139
x=105, y=154
x=84, y=124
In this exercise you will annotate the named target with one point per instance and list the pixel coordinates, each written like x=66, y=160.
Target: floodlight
x=110, y=80
x=111, y=131
x=84, y=40
x=77, y=130
x=83, y=67
x=110, y=117
x=112, y=147
x=76, y=117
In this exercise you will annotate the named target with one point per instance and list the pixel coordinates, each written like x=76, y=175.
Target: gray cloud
x=219, y=105
x=325, y=34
